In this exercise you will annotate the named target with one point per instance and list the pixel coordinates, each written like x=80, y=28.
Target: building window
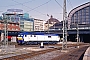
x=12, y=24
x=8, y=28
x=21, y=22
x=22, y=26
x=8, y=24
x=16, y=25
x=12, y=28
x=16, y=29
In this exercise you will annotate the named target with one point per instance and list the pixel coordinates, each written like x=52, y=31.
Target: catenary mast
x=64, y=44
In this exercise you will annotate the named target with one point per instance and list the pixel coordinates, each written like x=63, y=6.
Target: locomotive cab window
x=25, y=35
x=49, y=36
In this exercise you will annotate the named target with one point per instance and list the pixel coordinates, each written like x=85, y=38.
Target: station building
x=79, y=20
x=79, y=16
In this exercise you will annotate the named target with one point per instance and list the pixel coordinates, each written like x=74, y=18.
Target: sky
x=40, y=8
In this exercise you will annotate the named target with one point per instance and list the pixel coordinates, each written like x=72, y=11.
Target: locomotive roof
x=36, y=33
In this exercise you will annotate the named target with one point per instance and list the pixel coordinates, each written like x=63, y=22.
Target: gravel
x=46, y=56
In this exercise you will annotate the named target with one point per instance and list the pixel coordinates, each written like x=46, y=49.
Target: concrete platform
x=87, y=54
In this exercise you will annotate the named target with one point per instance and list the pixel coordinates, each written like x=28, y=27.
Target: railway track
x=29, y=55
x=35, y=53
x=73, y=55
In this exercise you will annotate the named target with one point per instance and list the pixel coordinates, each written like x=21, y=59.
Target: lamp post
x=48, y=23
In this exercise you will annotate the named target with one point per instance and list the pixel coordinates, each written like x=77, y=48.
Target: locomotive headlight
x=20, y=38
x=21, y=35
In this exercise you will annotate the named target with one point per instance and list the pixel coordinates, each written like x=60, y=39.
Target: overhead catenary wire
x=61, y=5
x=35, y=7
x=18, y=3
x=29, y=7
x=40, y=5
x=69, y=2
x=58, y=4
